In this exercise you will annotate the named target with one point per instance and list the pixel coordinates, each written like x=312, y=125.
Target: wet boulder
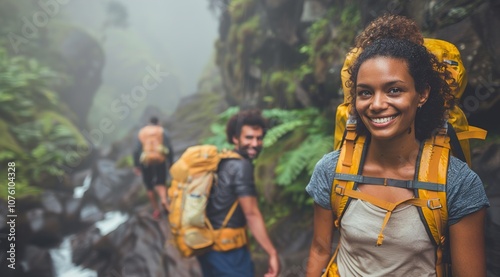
x=112, y=188
x=38, y=262
x=135, y=248
x=46, y=229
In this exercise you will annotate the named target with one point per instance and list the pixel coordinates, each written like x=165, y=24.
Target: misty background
x=176, y=37
x=79, y=78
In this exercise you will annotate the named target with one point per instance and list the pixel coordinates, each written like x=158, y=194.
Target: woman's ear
x=424, y=96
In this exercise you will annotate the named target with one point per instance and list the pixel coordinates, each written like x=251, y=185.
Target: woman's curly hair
x=426, y=71
x=386, y=26
x=389, y=26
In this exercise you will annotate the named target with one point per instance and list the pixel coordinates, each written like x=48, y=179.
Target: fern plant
x=295, y=153
x=35, y=133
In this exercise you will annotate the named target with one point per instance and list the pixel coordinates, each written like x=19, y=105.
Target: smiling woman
x=419, y=76
x=386, y=100
x=394, y=184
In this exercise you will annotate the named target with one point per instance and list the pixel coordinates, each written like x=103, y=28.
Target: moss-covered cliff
x=288, y=54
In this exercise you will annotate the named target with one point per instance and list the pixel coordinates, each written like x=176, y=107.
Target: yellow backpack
x=432, y=164
x=193, y=176
x=153, y=150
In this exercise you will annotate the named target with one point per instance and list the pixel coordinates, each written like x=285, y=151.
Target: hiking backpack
x=429, y=185
x=153, y=150
x=193, y=176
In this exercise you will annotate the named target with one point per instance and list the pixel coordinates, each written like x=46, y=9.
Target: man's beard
x=244, y=151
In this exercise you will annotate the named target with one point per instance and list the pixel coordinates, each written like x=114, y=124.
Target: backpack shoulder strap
x=348, y=163
x=433, y=167
x=228, y=154
x=229, y=214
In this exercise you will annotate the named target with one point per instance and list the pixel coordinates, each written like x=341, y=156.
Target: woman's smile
x=382, y=121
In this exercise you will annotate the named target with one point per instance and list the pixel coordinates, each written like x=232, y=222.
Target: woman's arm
x=321, y=246
x=467, y=245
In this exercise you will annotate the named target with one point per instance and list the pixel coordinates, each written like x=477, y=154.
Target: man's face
x=249, y=143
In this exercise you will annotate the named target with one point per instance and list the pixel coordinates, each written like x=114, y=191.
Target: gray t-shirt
x=235, y=179
x=464, y=190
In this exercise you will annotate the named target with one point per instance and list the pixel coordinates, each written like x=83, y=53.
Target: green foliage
x=297, y=161
x=35, y=133
x=8, y=143
x=245, y=35
x=310, y=134
x=321, y=42
x=240, y=9
x=279, y=131
x=322, y=49
x=24, y=87
x=350, y=23
x=242, y=36
x=283, y=84
x=22, y=189
x=46, y=139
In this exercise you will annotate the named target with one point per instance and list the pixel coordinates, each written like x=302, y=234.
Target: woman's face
x=386, y=99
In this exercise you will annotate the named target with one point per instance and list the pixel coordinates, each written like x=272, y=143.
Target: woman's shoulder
x=461, y=178
x=464, y=191
x=329, y=160
x=458, y=169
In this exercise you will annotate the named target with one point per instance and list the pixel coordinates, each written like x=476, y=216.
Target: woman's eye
x=364, y=93
x=394, y=90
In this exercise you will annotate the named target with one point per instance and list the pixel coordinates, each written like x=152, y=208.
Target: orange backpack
x=153, y=150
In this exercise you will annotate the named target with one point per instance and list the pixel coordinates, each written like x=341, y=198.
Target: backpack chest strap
x=389, y=207
x=407, y=184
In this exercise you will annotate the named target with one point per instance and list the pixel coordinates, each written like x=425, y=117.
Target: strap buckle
x=434, y=204
x=351, y=120
x=339, y=190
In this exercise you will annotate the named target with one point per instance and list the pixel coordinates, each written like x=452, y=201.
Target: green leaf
x=8, y=142
x=39, y=151
x=64, y=125
x=274, y=134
